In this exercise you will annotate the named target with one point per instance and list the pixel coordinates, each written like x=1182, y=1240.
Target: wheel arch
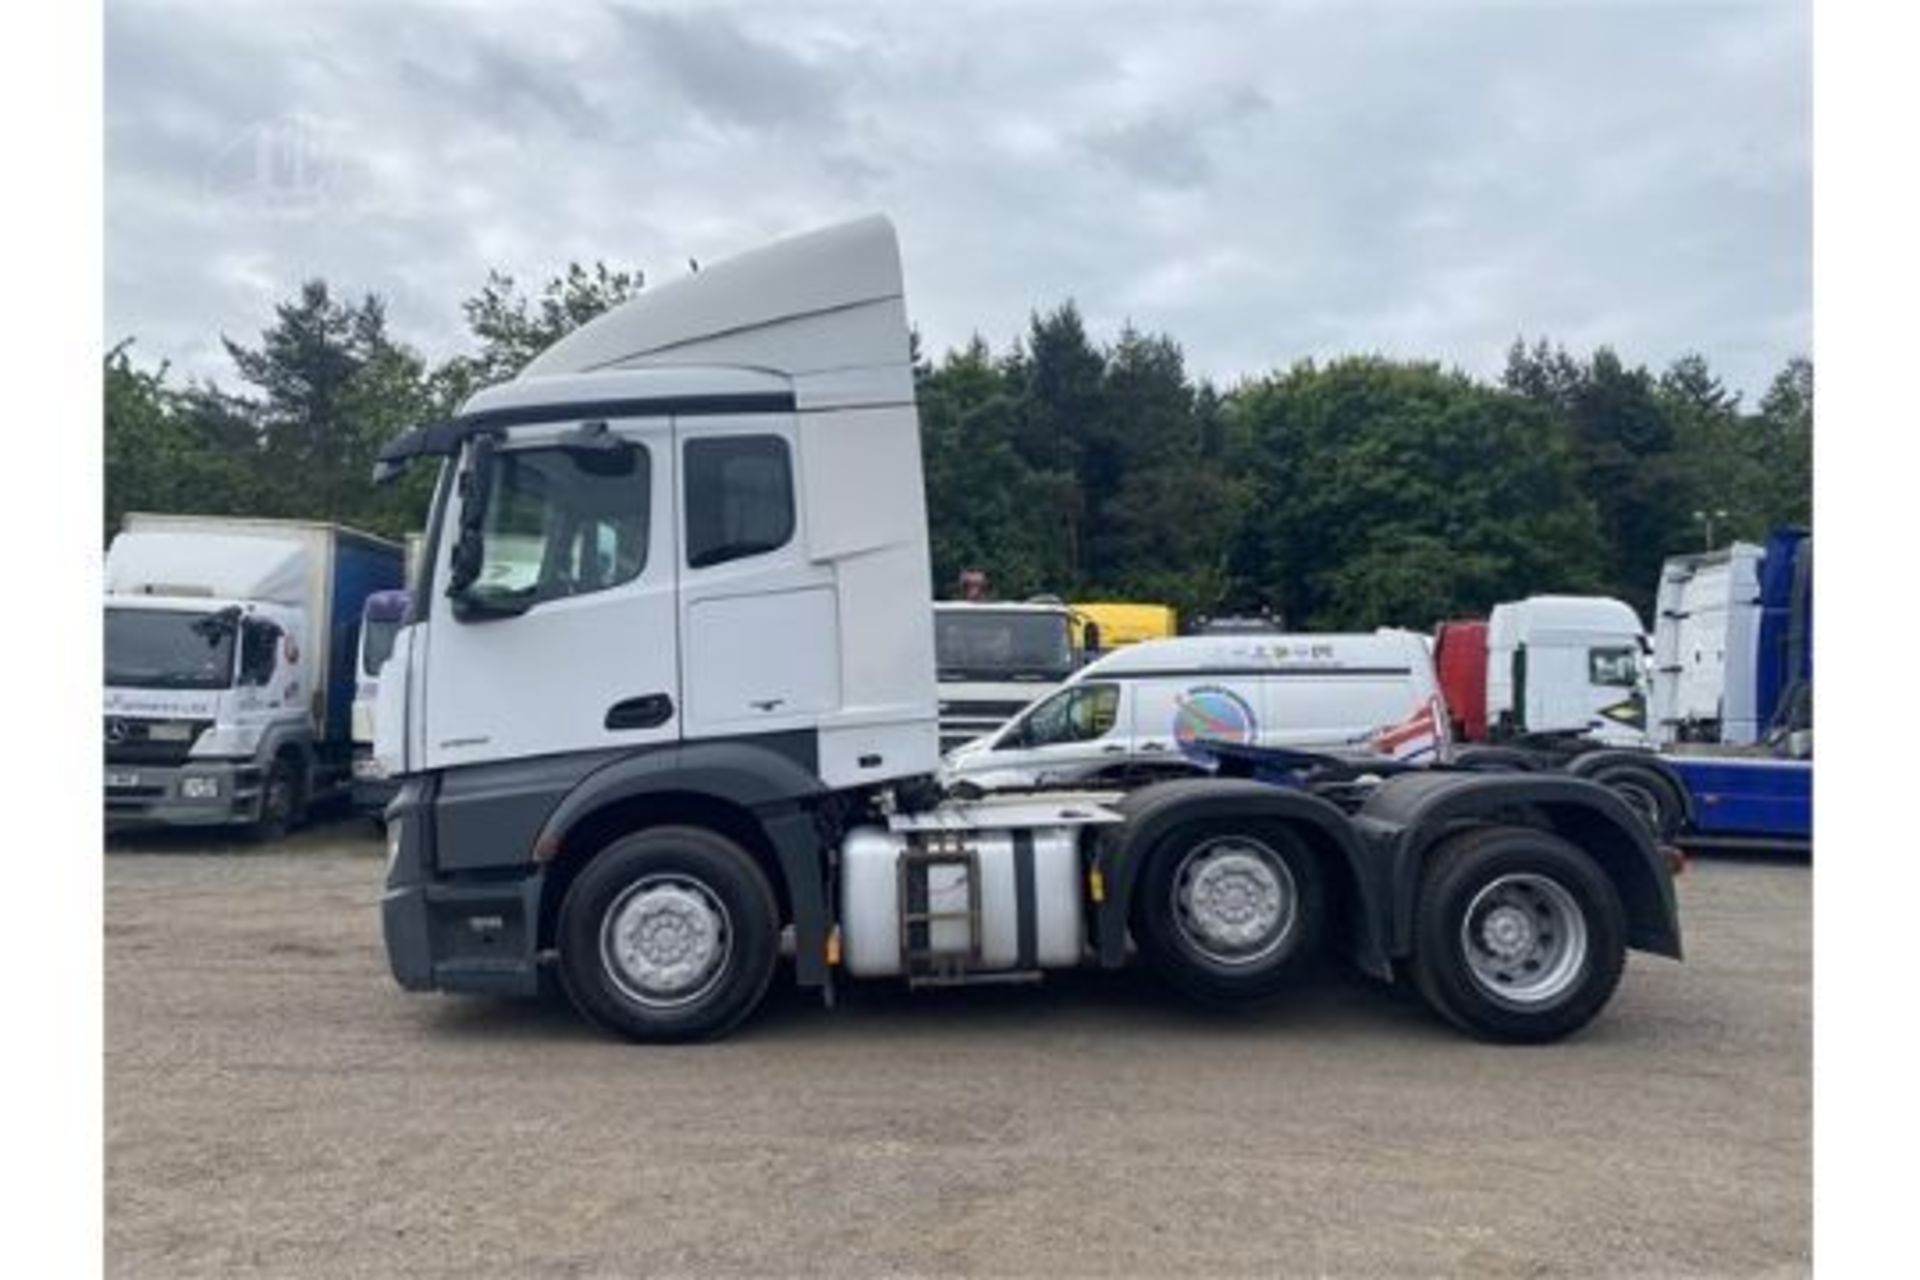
x=1425, y=809
x=760, y=799
x=1157, y=811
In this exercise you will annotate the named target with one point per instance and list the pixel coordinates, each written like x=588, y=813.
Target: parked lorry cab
x=707, y=721
x=1106, y=626
x=380, y=620
x=1733, y=689
x=1567, y=665
x=230, y=659
x=1151, y=710
x=994, y=658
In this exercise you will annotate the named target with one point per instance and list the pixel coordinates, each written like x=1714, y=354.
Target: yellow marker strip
x=833, y=948
x=1097, y=885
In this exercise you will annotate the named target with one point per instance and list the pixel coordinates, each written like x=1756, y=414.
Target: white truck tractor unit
x=667, y=704
x=1568, y=665
x=230, y=651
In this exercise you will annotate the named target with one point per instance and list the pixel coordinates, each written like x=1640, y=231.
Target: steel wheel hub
x=1234, y=900
x=1525, y=940
x=665, y=941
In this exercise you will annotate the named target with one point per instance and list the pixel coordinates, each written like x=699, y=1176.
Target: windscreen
x=1002, y=645
x=169, y=649
x=376, y=643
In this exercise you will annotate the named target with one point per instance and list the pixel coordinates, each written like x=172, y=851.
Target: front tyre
x=669, y=934
x=1518, y=935
x=1230, y=914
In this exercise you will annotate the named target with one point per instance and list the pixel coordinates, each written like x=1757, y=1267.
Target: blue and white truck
x=1733, y=689
x=230, y=654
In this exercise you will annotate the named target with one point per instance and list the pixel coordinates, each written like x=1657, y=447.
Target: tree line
x=1354, y=493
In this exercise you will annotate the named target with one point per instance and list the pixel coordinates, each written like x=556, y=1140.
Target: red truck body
x=1460, y=663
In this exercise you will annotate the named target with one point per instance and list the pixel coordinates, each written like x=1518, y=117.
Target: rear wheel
x=1230, y=914
x=669, y=934
x=1647, y=794
x=1518, y=935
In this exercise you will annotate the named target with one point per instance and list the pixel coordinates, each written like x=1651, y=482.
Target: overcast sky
x=1263, y=181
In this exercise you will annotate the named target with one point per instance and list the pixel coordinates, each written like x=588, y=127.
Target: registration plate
x=123, y=779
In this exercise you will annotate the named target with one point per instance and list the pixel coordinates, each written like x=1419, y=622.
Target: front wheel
x=279, y=803
x=669, y=934
x=1518, y=935
x=1230, y=914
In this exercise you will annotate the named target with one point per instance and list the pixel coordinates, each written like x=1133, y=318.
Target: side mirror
x=476, y=488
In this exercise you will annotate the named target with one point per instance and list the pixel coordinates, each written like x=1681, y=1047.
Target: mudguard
x=759, y=777
x=1156, y=810
x=1409, y=814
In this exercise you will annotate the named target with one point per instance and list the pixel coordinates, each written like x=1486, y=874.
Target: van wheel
x=669, y=934
x=1518, y=935
x=1230, y=913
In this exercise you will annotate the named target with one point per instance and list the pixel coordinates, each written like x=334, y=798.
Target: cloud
x=1262, y=182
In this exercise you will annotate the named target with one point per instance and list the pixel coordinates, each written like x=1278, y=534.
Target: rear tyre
x=1518, y=935
x=669, y=934
x=1647, y=794
x=1230, y=914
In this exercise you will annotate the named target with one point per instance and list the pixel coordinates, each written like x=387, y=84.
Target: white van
x=1568, y=664
x=1148, y=710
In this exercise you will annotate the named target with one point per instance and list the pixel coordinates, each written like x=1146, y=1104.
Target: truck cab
x=227, y=685
x=994, y=659
x=380, y=621
x=1569, y=665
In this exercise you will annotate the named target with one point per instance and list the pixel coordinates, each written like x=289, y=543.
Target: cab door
x=566, y=639
x=758, y=618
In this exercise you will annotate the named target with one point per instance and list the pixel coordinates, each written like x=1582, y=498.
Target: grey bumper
x=204, y=793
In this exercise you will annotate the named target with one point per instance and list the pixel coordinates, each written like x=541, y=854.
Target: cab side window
x=559, y=524
x=1616, y=667
x=259, y=645
x=1080, y=714
x=739, y=497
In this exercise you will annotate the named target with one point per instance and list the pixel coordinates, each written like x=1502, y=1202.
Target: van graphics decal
x=1416, y=736
x=1210, y=713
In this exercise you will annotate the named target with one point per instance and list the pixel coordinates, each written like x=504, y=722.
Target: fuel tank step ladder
x=928, y=960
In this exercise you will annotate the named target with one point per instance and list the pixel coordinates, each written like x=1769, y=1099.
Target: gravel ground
x=276, y=1106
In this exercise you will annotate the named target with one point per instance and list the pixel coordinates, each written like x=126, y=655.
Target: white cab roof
x=825, y=310
x=1537, y=616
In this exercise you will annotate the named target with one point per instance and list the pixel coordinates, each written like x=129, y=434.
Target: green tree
x=172, y=450
x=1391, y=493
x=332, y=387
x=512, y=328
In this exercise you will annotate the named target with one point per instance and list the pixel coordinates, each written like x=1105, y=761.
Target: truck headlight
x=228, y=740
x=199, y=787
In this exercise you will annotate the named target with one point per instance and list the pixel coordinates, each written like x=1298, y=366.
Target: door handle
x=647, y=711
x=1113, y=749
x=1153, y=746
